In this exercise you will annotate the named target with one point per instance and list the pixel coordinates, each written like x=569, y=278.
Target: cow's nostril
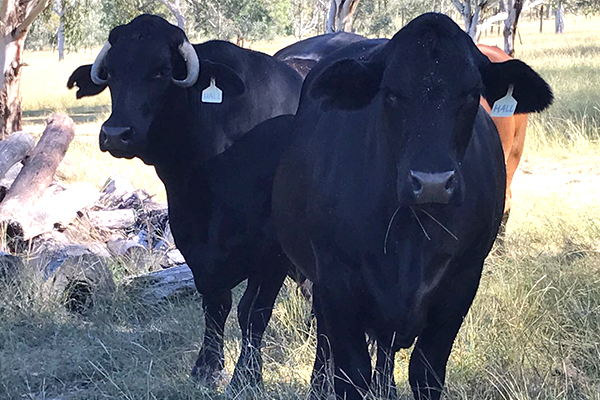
x=103, y=137
x=416, y=184
x=450, y=184
x=126, y=136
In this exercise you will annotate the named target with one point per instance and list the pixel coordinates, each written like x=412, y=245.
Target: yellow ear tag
x=212, y=94
x=506, y=106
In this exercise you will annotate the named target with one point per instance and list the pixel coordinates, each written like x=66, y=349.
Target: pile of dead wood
x=76, y=234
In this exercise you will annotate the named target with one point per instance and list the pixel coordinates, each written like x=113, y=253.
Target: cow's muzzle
x=116, y=138
x=437, y=187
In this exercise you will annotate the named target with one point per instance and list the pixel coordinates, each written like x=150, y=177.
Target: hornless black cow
x=303, y=55
x=218, y=205
x=391, y=194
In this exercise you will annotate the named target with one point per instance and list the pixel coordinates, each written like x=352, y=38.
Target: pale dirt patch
x=576, y=181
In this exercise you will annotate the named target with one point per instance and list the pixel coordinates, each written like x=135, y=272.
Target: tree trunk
x=513, y=8
x=60, y=33
x=559, y=16
x=60, y=38
x=542, y=18
x=15, y=18
x=10, y=97
x=341, y=13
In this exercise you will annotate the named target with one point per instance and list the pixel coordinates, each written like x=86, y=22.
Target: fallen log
x=112, y=219
x=10, y=176
x=10, y=266
x=77, y=278
x=52, y=211
x=37, y=175
x=160, y=285
x=14, y=149
x=136, y=256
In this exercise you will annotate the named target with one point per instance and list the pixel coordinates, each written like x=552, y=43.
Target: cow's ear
x=532, y=92
x=81, y=78
x=347, y=84
x=226, y=79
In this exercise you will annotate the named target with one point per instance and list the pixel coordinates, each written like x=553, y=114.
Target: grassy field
x=532, y=333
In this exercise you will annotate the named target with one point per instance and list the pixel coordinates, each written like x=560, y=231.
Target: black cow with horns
x=391, y=194
x=180, y=107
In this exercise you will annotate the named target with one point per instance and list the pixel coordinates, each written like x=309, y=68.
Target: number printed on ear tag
x=212, y=94
x=506, y=106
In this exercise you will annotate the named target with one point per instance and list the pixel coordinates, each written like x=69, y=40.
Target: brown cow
x=510, y=129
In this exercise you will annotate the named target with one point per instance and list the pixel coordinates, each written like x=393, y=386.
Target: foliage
x=587, y=7
x=385, y=17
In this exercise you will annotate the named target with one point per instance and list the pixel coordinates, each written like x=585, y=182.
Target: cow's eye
x=159, y=75
x=392, y=100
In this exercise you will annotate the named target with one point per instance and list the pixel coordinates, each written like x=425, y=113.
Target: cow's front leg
x=211, y=359
x=383, y=376
x=321, y=380
x=254, y=312
x=345, y=331
x=427, y=369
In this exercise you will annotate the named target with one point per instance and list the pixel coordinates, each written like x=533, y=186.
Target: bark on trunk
x=10, y=97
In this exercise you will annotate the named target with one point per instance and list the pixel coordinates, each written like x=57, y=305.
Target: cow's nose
x=115, y=137
x=435, y=187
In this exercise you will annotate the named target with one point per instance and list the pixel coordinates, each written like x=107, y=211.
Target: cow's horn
x=191, y=61
x=97, y=66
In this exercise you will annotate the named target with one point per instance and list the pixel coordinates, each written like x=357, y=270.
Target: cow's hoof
x=244, y=390
x=208, y=378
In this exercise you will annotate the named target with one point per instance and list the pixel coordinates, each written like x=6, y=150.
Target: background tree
x=16, y=16
x=473, y=13
x=341, y=13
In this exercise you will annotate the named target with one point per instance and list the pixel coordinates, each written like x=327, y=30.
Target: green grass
x=533, y=331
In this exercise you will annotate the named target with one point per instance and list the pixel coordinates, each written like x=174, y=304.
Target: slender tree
x=341, y=13
x=15, y=18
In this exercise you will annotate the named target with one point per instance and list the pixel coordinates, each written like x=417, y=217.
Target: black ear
x=347, y=84
x=81, y=78
x=229, y=81
x=532, y=92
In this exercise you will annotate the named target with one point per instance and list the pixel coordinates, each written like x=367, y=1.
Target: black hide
x=391, y=195
x=303, y=55
x=219, y=194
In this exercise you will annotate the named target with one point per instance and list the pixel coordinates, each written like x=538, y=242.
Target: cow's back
x=272, y=88
x=303, y=55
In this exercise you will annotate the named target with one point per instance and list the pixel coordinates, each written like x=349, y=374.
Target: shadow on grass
x=82, y=114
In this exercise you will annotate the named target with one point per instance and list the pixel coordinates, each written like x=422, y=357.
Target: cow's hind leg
x=427, y=370
x=321, y=378
x=254, y=312
x=211, y=359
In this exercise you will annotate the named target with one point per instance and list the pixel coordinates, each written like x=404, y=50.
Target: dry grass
x=532, y=333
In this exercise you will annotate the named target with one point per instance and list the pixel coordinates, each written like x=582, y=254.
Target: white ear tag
x=212, y=94
x=506, y=106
